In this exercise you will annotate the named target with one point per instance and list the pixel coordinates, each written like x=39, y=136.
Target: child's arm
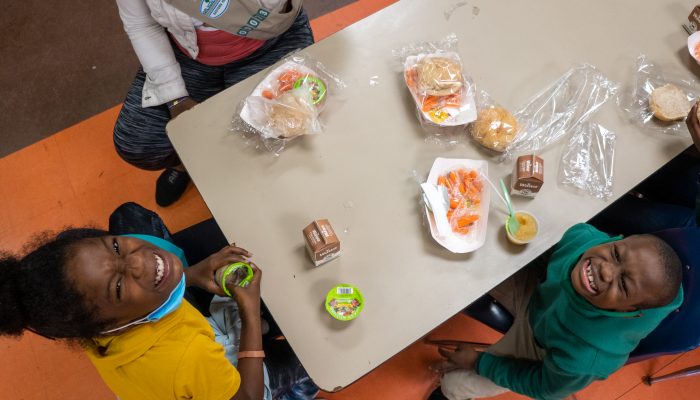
x=536, y=379
x=250, y=368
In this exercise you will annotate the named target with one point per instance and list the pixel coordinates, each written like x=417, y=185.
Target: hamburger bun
x=668, y=103
x=495, y=128
x=438, y=76
x=291, y=114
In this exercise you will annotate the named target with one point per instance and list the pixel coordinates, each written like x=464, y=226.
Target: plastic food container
x=693, y=41
x=442, y=93
x=287, y=102
x=344, y=302
x=439, y=225
x=529, y=228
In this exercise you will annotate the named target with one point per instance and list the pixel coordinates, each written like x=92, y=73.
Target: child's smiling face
x=125, y=277
x=621, y=276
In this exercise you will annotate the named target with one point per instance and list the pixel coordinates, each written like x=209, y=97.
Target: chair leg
x=692, y=371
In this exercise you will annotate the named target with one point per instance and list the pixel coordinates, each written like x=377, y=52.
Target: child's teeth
x=589, y=275
x=159, y=268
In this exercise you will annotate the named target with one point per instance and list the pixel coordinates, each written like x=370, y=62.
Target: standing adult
x=189, y=51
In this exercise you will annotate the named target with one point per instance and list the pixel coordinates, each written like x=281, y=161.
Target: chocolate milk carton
x=693, y=21
x=528, y=176
x=322, y=243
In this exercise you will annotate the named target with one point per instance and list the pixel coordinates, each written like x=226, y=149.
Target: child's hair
x=673, y=272
x=36, y=294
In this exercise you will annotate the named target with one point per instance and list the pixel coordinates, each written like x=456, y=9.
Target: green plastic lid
x=344, y=302
x=232, y=268
x=315, y=85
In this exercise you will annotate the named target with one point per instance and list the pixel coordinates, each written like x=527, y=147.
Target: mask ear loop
x=137, y=322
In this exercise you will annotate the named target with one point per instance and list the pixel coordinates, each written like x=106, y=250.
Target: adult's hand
x=202, y=273
x=694, y=125
x=181, y=107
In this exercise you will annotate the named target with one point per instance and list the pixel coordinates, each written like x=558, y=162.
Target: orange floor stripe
x=332, y=22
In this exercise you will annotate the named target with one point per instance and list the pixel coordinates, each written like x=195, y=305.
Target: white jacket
x=145, y=21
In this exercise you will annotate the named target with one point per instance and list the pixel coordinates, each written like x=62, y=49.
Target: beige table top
x=361, y=172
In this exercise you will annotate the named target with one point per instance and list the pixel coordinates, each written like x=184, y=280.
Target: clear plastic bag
x=554, y=112
x=635, y=100
x=443, y=94
x=495, y=127
x=588, y=160
x=287, y=103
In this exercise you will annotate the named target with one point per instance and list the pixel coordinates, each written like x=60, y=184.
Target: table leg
x=692, y=371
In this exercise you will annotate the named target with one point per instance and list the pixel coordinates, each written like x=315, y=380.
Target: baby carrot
x=467, y=220
x=429, y=103
x=453, y=177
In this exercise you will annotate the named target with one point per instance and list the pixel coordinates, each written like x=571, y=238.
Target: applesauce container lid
x=344, y=302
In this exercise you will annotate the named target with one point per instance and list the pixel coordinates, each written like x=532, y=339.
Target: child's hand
x=248, y=298
x=202, y=273
x=461, y=356
x=694, y=125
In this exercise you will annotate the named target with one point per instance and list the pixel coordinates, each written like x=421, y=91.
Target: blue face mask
x=171, y=304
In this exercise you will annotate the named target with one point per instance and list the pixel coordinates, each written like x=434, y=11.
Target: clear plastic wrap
x=495, y=127
x=636, y=101
x=443, y=94
x=587, y=162
x=554, y=112
x=287, y=103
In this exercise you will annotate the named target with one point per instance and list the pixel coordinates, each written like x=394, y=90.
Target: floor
x=54, y=175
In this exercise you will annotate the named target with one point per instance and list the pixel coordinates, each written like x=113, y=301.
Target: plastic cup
x=525, y=234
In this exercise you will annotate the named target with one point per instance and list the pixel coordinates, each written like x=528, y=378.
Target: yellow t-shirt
x=174, y=358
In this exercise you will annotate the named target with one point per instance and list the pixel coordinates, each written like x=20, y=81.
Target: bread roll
x=291, y=114
x=438, y=76
x=495, y=128
x=668, y=103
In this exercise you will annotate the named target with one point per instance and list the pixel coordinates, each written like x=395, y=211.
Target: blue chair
x=678, y=333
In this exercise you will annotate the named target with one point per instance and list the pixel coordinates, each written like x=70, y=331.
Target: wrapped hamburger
x=441, y=92
x=287, y=103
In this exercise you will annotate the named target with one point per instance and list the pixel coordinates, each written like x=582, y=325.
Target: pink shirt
x=217, y=47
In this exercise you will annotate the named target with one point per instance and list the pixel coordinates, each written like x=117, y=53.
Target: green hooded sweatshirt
x=583, y=343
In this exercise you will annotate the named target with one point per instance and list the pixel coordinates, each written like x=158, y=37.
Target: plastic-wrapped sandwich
x=288, y=102
x=440, y=90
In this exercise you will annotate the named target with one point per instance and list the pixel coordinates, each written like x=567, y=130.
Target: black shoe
x=170, y=186
x=437, y=395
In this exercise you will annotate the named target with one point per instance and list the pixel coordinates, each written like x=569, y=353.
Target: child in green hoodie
x=602, y=295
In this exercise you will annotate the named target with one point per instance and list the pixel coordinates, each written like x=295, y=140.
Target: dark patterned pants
x=139, y=134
